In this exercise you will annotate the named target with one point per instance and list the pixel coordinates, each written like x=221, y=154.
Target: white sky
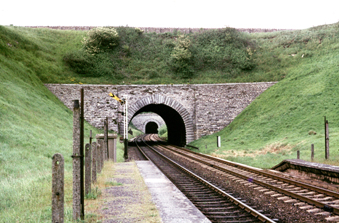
x=280, y=14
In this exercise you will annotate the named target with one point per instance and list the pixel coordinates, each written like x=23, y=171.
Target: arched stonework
x=157, y=99
x=147, y=121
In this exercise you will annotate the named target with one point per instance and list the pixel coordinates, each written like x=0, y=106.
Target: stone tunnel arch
x=178, y=120
x=148, y=121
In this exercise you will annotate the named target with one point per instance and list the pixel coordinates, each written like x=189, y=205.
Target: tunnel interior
x=176, y=130
x=151, y=128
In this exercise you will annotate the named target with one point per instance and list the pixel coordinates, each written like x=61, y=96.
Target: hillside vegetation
x=289, y=116
x=34, y=124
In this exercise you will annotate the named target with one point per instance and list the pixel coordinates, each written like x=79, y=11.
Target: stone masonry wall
x=211, y=106
x=218, y=104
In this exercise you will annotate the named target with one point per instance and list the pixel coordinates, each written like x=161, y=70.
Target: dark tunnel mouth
x=151, y=128
x=176, y=131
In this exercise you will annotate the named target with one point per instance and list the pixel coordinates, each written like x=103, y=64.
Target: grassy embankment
x=289, y=116
x=34, y=124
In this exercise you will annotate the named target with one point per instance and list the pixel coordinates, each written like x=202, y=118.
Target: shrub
x=101, y=39
x=224, y=49
x=93, y=65
x=79, y=61
x=126, y=50
x=139, y=31
x=180, y=59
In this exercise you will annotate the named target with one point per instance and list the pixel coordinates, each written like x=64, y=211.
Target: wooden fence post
x=82, y=189
x=94, y=162
x=76, y=161
x=327, y=145
x=57, y=188
x=102, y=149
x=105, y=146
x=88, y=168
x=298, y=154
x=312, y=152
x=112, y=141
x=99, y=157
x=90, y=137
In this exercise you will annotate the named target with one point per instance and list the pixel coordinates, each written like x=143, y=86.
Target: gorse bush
x=101, y=39
x=180, y=60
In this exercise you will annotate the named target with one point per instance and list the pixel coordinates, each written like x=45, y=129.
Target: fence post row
x=88, y=168
x=57, y=188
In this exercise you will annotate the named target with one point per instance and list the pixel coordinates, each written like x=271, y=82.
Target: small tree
x=181, y=57
x=101, y=39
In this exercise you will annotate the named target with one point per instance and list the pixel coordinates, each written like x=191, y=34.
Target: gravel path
x=127, y=199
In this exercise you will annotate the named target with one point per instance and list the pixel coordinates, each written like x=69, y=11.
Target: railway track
x=315, y=200
x=216, y=204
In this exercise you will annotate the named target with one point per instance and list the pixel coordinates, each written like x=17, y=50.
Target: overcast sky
x=281, y=14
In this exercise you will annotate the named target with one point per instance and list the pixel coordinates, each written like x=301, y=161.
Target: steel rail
x=266, y=174
x=324, y=206
x=237, y=202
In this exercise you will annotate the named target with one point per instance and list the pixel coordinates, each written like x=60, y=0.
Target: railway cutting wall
x=204, y=108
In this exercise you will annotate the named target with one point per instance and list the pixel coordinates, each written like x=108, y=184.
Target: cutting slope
x=289, y=116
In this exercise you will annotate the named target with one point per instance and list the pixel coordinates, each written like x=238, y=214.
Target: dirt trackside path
x=125, y=197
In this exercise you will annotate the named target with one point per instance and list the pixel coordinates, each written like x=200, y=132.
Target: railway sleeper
x=221, y=208
x=221, y=212
x=195, y=191
x=220, y=216
x=196, y=199
x=208, y=204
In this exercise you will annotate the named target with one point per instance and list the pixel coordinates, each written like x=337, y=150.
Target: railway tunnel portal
x=177, y=119
x=189, y=111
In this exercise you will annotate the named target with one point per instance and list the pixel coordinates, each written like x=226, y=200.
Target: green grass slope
x=289, y=116
x=34, y=124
